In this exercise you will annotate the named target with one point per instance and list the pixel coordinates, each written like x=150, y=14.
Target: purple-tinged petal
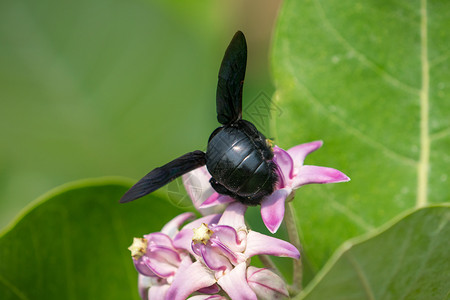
x=272, y=209
x=207, y=297
x=159, y=239
x=234, y=257
x=210, y=201
x=235, y=284
x=158, y=292
x=183, y=239
x=195, y=277
x=228, y=236
x=197, y=185
x=216, y=199
x=185, y=263
x=142, y=268
x=266, y=284
x=234, y=216
x=299, y=152
x=197, y=248
x=258, y=243
x=210, y=289
x=211, y=219
x=144, y=284
x=172, y=228
x=164, y=254
x=160, y=268
x=315, y=174
x=214, y=257
x=284, y=162
x=199, y=189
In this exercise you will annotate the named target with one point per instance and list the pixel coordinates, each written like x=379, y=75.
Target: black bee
x=238, y=156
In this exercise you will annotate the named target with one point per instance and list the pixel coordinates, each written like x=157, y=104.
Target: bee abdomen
x=243, y=173
x=239, y=165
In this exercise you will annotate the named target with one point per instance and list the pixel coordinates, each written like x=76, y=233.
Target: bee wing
x=231, y=81
x=163, y=175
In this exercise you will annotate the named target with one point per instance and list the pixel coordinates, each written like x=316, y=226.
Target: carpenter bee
x=238, y=156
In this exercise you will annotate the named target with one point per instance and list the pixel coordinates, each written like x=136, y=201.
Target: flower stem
x=291, y=226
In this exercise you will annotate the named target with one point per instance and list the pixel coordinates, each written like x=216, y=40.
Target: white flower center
x=202, y=234
x=138, y=248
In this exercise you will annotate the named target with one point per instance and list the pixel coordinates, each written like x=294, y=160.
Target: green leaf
x=85, y=84
x=72, y=243
x=370, y=79
x=408, y=260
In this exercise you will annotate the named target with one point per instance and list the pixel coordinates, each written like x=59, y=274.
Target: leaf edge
x=71, y=185
x=347, y=245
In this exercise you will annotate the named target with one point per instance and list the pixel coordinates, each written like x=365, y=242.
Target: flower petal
x=197, y=185
x=210, y=219
x=144, y=284
x=199, y=189
x=195, y=277
x=272, y=209
x=228, y=236
x=299, y=152
x=284, y=162
x=183, y=239
x=213, y=289
x=159, y=266
x=207, y=297
x=142, y=267
x=160, y=239
x=158, y=292
x=258, y=243
x=215, y=258
x=216, y=199
x=266, y=284
x=235, y=284
x=315, y=174
x=234, y=216
x=171, y=228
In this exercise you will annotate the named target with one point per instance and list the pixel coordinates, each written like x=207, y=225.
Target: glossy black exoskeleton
x=240, y=162
x=238, y=157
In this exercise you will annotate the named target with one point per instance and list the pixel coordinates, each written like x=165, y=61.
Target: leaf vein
x=12, y=288
x=361, y=276
x=344, y=210
x=404, y=246
x=440, y=59
x=361, y=57
x=431, y=246
x=440, y=135
x=352, y=130
x=423, y=166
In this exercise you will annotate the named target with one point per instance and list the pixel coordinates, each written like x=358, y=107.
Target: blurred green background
x=109, y=87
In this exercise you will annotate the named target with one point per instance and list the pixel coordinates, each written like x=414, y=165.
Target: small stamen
x=202, y=234
x=138, y=247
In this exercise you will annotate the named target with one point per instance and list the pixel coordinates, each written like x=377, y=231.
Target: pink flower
x=223, y=252
x=158, y=260
x=292, y=174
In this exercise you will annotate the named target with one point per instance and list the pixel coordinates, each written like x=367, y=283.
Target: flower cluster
x=209, y=258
